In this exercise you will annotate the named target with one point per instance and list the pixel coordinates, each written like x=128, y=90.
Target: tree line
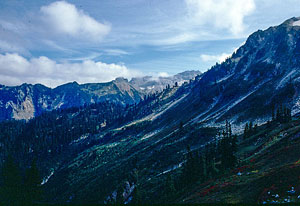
x=218, y=157
x=281, y=115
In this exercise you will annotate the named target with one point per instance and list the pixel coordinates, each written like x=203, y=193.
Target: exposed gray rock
x=27, y=101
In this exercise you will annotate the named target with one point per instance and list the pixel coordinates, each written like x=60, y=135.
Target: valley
x=229, y=135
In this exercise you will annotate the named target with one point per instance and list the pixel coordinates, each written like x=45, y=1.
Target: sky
x=55, y=42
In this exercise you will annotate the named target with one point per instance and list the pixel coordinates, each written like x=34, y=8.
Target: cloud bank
x=65, y=18
x=225, y=14
x=15, y=70
x=214, y=58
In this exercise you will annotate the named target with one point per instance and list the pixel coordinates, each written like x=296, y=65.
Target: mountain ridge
x=27, y=101
x=143, y=143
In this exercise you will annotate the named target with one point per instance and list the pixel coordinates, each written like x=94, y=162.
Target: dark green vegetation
x=228, y=168
x=89, y=146
x=182, y=145
x=18, y=188
x=267, y=170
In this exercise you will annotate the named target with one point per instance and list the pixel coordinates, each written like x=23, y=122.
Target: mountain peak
x=121, y=79
x=294, y=21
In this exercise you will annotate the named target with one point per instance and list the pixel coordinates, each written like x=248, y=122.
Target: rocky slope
x=261, y=75
x=258, y=77
x=151, y=142
x=27, y=101
x=148, y=83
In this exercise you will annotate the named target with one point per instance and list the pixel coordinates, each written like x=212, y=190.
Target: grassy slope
x=151, y=144
x=155, y=144
x=269, y=165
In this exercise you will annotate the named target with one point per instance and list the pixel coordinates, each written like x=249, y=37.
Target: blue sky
x=54, y=42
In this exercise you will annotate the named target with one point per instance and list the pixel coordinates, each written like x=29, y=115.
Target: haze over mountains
x=126, y=143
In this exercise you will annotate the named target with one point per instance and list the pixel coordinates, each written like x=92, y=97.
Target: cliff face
x=27, y=101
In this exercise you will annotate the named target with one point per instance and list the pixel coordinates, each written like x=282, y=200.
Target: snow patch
x=82, y=137
x=168, y=107
x=171, y=169
x=46, y=179
x=247, y=76
x=216, y=100
x=221, y=111
x=227, y=107
x=296, y=107
x=285, y=79
x=59, y=105
x=224, y=78
x=296, y=23
x=149, y=87
x=112, y=145
x=149, y=135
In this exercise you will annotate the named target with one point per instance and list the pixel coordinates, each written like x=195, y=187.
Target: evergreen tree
x=203, y=169
x=255, y=128
x=137, y=193
x=11, y=188
x=188, y=167
x=283, y=114
x=197, y=167
x=246, y=131
x=119, y=198
x=273, y=113
x=250, y=128
x=169, y=188
x=32, y=184
x=228, y=147
x=210, y=154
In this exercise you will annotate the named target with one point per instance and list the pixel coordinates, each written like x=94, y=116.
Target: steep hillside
x=27, y=101
x=261, y=74
x=248, y=86
x=143, y=151
x=268, y=170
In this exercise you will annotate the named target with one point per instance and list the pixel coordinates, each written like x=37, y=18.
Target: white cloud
x=163, y=74
x=10, y=47
x=225, y=14
x=180, y=38
x=214, y=58
x=116, y=52
x=15, y=69
x=65, y=18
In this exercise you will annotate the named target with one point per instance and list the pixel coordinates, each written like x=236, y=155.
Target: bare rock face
x=27, y=101
x=148, y=84
x=25, y=110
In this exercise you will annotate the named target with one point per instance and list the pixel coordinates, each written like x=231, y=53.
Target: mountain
x=27, y=101
x=147, y=152
x=259, y=76
x=148, y=83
